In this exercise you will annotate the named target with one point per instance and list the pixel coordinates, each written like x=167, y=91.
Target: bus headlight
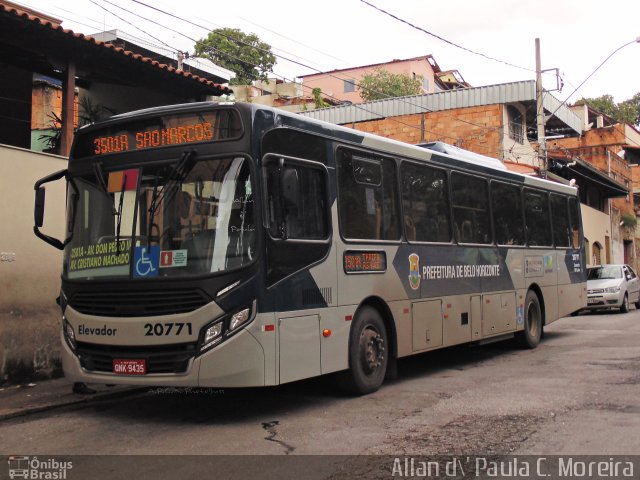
x=220, y=329
x=69, y=334
x=239, y=319
x=212, y=335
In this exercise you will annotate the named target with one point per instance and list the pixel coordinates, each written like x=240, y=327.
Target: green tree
x=244, y=54
x=627, y=111
x=631, y=109
x=384, y=84
x=317, y=98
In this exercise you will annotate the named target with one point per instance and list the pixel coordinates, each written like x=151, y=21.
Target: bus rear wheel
x=530, y=336
x=368, y=353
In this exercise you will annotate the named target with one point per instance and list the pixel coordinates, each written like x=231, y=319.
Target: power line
x=484, y=128
x=594, y=71
x=293, y=40
x=129, y=23
x=293, y=61
x=442, y=38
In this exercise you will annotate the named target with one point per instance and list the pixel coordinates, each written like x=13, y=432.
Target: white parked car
x=612, y=286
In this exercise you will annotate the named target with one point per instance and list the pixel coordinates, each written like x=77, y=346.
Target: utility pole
x=542, y=146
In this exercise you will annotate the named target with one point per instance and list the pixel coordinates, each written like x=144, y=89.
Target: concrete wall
x=29, y=268
x=597, y=226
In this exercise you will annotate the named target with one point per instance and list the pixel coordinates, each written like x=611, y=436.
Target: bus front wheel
x=530, y=336
x=368, y=353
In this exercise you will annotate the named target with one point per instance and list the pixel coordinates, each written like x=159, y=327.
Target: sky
x=576, y=36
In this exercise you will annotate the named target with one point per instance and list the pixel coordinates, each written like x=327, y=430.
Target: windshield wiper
x=97, y=171
x=119, y=213
x=180, y=170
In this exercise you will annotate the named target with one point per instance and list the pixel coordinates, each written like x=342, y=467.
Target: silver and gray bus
x=236, y=245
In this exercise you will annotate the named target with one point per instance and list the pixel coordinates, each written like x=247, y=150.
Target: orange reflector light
x=326, y=333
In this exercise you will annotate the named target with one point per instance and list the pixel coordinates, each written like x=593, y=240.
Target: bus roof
x=437, y=152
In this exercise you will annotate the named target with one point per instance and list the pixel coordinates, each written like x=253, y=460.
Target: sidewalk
x=19, y=400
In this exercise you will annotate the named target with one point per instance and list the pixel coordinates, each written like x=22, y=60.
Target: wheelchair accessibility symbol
x=146, y=261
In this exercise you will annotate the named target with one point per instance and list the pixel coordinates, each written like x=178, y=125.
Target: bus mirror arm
x=282, y=227
x=38, y=210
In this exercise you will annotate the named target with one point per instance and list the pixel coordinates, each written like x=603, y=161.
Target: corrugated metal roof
x=524, y=91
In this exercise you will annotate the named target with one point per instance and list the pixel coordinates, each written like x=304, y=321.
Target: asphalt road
x=577, y=393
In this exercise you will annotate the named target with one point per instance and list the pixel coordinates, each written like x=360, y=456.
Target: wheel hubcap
x=372, y=350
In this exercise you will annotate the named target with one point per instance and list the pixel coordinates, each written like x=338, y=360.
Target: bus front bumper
x=238, y=362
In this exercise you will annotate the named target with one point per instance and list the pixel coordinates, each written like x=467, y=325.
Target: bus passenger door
x=300, y=272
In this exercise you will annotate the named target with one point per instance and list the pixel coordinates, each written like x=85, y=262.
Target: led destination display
x=161, y=131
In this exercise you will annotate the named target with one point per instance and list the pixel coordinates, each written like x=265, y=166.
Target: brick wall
x=599, y=147
x=478, y=129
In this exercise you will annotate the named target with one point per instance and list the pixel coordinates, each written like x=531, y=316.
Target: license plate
x=592, y=300
x=130, y=367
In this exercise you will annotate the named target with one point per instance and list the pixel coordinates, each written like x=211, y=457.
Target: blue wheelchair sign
x=146, y=261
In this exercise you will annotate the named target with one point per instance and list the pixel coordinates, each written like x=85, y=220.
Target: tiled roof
x=46, y=23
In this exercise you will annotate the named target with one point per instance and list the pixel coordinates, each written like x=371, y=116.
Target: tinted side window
x=367, y=196
x=296, y=209
x=574, y=216
x=425, y=201
x=470, y=209
x=296, y=200
x=560, y=220
x=506, y=201
x=537, y=219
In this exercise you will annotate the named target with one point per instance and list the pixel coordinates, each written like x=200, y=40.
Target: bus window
x=574, y=216
x=470, y=209
x=425, y=202
x=296, y=200
x=506, y=201
x=537, y=219
x=560, y=220
x=367, y=197
x=296, y=206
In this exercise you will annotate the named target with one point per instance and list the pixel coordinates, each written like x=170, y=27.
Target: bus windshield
x=188, y=217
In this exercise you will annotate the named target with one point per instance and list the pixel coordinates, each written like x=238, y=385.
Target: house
x=499, y=121
x=611, y=148
x=118, y=79
x=342, y=85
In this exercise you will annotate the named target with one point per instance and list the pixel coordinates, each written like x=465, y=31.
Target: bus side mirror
x=38, y=210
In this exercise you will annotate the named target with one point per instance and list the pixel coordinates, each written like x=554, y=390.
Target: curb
x=82, y=399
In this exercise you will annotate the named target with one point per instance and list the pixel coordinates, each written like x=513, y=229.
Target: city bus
x=237, y=245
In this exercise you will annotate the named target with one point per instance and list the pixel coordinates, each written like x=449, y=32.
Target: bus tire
x=368, y=353
x=532, y=333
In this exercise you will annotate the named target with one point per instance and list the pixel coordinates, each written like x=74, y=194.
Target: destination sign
x=159, y=131
x=364, y=261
